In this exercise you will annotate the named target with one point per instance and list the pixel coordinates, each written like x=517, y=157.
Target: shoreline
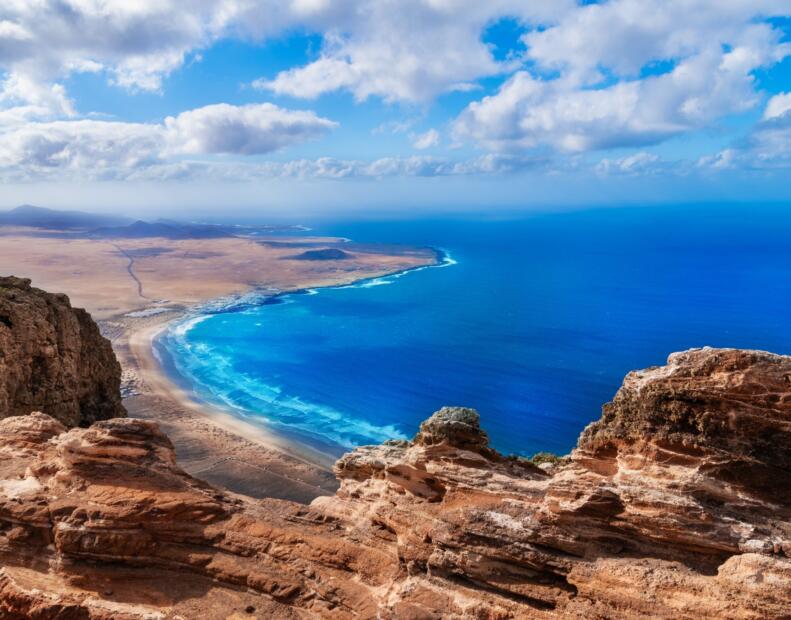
x=442, y=256
x=142, y=347
x=214, y=444
x=209, y=444
x=167, y=380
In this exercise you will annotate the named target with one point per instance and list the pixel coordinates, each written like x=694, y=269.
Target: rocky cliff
x=53, y=358
x=675, y=504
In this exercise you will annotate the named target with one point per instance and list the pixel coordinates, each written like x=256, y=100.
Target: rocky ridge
x=53, y=358
x=674, y=505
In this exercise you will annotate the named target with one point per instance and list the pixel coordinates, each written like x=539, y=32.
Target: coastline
x=212, y=443
x=209, y=443
x=142, y=347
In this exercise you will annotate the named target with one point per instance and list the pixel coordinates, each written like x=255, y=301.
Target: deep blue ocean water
x=535, y=325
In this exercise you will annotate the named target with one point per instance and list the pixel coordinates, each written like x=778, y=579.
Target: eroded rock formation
x=53, y=358
x=675, y=504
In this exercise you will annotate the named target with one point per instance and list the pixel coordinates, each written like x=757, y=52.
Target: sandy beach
x=136, y=287
x=212, y=444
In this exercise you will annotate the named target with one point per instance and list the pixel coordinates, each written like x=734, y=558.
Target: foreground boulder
x=53, y=358
x=674, y=505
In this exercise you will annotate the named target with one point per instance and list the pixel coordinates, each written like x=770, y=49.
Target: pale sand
x=110, y=278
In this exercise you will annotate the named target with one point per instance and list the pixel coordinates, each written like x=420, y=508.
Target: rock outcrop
x=53, y=358
x=673, y=505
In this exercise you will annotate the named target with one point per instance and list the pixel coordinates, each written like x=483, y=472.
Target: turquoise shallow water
x=535, y=324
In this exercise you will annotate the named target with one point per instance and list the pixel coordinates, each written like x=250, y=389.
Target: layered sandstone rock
x=673, y=505
x=53, y=358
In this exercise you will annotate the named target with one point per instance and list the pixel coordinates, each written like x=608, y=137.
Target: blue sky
x=393, y=104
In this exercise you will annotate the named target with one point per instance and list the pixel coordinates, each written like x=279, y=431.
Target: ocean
x=532, y=320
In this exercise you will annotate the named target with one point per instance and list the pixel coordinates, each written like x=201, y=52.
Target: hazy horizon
x=715, y=210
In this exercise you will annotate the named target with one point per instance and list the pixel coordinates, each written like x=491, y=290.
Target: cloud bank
x=630, y=73
x=580, y=80
x=116, y=149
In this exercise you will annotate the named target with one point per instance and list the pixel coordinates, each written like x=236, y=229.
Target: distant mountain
x=81, y=224
x=39, y=217
x=166, y=229
x=323, y=254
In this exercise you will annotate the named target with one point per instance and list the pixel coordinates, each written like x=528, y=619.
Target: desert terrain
x=112, y=277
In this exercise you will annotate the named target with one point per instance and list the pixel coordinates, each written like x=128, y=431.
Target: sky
x=291, y=106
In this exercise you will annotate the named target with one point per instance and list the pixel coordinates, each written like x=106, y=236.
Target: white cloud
x=397, y=49
x=404, y=50
x=768, y=147
x=335, y=169
x=94, y=148
x=75, y=147
x=595, y=83
x=777, y=106
x=529, y=112
x=100, y=150
x=243, y=130
x=624, y=36
x=138, y=41
x=317, y=78
x=641, y=162
x=426, y=140
x=770, y=144
x=24, y=98
x=11, y=32
x=724, y=160
x=621, y=73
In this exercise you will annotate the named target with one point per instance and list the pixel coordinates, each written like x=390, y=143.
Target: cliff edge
x=674, y=505
x=53, y=358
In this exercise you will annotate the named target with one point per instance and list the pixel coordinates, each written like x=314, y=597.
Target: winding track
x=130, y=269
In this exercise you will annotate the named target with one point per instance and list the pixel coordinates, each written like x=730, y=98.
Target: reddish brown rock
x=672, y=506
x=53, y=358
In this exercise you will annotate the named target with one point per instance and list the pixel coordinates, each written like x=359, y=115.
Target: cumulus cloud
x=767, y=147
x=243, y=130
x=777, y=106
x=397, y=49
x=23, y=98
x=618, y=73
x=63, y=147
x=639, y=163
x=622, y=37
x=662, y=69
x=426, y=140
x=116, y=149
x=317, y=78
x=529, y=112
x=404, y=50
x=137, y=42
